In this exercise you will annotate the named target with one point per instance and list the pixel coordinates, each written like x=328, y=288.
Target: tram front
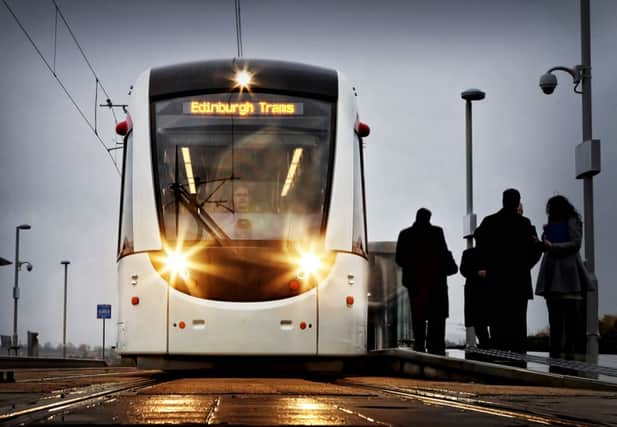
x=242, y=180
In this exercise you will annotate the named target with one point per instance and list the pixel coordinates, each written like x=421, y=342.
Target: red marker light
x=294, y=285
x=362, y=129
x=349, y=301
x=182, y=325
x=303, y=325
x=135, y=300
x=122, y=128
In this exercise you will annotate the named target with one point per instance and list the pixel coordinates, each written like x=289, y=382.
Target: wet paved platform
x=348, y=401
x=411, y=389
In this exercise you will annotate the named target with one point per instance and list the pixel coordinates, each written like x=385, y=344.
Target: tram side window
x=125, y=242
x=358, y=244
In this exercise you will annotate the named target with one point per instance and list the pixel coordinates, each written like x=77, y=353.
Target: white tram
x=242, y=223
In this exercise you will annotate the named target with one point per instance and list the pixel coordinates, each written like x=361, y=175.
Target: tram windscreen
x=242, y=169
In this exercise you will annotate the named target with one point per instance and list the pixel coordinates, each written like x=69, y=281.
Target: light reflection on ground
x=169, y=409
x=280, y=410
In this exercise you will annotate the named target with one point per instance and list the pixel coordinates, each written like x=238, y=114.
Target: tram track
x=90, y=375
x=212, y=401
x=67, y=400
x=466, y=402
x=213, y=409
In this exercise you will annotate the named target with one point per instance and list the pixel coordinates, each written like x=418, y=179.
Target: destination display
x=243, y=109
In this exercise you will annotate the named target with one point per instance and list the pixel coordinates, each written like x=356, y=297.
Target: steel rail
x=43, y=410
x=79, y=376
x=458, y=400
x=362, y=416
x=213, y=410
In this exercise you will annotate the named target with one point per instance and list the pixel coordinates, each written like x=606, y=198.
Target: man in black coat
x=508, y=246
x=422, y=253
x=477, y=306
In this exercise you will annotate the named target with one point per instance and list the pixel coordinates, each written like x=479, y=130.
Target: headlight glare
x=177, y=264
x=309, y=264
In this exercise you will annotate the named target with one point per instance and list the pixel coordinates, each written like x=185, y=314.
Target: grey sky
x=410, y=61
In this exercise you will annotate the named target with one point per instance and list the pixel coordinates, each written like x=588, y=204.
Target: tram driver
x=242, y=198
x=243, y=228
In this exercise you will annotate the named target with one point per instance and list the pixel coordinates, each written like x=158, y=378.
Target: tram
x=242, y=224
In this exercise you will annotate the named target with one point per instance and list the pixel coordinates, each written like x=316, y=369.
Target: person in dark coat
x=563, y=278
x=422, y=253
x=509, y=247
x=478, y=301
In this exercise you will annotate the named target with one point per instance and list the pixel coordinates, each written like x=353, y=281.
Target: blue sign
x=103, y=311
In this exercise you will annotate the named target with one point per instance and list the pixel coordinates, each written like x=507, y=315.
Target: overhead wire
x=55, y=38
x=238, y=29
x=53, y=72
x=83, y=54
x=96, y=77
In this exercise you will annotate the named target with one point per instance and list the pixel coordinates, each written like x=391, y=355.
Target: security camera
x=29, y=267
x=548, y=83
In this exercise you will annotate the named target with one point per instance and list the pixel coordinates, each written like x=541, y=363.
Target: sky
x=410, y=61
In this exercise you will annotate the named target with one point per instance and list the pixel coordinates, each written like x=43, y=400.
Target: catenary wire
x=61, y=84
x=238, y=29
x=83, y=54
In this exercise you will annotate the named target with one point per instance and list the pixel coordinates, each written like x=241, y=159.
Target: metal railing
x=573, y=365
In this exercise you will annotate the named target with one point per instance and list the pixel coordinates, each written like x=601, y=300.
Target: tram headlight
x=313, y=264
x=177, y=264
x=308, y=265
x=243, y=79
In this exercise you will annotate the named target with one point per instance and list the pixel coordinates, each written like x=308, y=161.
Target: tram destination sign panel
x=243, y=109
x=103, y=311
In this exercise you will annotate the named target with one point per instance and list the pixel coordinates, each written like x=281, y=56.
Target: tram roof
x=270, y=75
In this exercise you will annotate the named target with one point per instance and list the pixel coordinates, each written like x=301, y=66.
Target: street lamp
x=587, y=156
x=66, y=266
x=18, y=265
x=469, y=221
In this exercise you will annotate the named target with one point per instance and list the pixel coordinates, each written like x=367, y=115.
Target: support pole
x=469, y=225
x=66, y=265
x=16, y=293
x=469, y=169
x=591, y=300
x=103, y=356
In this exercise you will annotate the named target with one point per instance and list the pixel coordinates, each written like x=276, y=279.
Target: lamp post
x=587, y=156
x=470, y=218
x=469, y=221
x=66, y=266
x=18, y=265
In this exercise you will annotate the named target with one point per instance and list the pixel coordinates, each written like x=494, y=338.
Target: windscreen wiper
x=189, y=202
x=218, y=203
